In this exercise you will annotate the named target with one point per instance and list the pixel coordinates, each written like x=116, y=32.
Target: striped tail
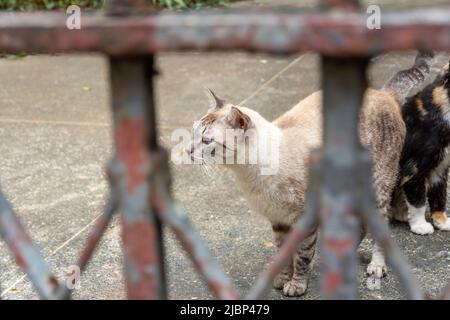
x=404, y=81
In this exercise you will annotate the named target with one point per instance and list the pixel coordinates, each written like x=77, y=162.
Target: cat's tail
x=404, y=81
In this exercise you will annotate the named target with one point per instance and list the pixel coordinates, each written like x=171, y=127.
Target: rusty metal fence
x=130, y=33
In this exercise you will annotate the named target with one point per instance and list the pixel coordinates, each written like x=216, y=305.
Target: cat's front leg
x=377, y=266
x=437, y=199
x=302, y=261
x=415, y=192
x=280, y=232
x=385, y=177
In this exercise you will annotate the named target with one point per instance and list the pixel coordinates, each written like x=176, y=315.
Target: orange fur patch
x=439, y=216
x=421, y=108
x=440, y=98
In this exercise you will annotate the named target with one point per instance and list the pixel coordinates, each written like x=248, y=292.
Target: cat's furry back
x=381, y=130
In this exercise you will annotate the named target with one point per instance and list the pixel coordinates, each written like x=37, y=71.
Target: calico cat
x=425, y=158
x=285, y=145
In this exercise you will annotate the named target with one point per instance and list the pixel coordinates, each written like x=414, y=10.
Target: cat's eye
x=207, y=140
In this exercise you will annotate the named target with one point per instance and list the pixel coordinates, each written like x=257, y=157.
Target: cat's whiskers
x=205, y=166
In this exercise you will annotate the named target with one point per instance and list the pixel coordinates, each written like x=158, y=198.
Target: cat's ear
x=237, y=119
x=215, y=102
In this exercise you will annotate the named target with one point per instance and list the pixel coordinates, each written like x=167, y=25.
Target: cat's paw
x=280, y=280
x=295, y=288
x=422, y=228
x=284, y=276
x=442, y=226
x=441, y=222
x=376, y=269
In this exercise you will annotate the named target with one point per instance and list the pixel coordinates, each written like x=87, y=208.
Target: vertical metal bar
x=132, y=102
x=135, y=138
x=344, y=84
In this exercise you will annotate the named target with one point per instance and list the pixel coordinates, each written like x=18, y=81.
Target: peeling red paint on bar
x=333, y=281
x=130, y=137
x=331, y=33
x=140, y=258
x=344, y=83
x=131, y=171
x=339, y=246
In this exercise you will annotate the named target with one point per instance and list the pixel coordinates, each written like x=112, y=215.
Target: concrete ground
x=56, y=138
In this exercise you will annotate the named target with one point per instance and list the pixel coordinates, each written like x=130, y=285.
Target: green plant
x=29, y=5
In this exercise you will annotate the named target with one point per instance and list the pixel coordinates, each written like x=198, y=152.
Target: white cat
x=284, y=145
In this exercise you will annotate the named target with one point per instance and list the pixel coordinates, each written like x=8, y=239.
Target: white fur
x=377, y=266
x=417, y=222
x=442, y=226
x=268, y=138
x=259, y=188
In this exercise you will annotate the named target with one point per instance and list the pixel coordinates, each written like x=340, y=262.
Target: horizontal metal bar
x=341, y=4
x=332, y=33
x=344, y=83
